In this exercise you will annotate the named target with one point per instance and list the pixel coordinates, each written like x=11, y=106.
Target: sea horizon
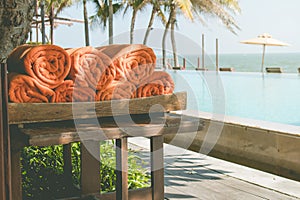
x=242, y=62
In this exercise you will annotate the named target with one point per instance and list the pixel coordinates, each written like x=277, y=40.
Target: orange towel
x=90, y=67
x=64, y=92
x=48, y=64
x=25, y=89
x=117, y=90
x=158, y=83
x=68, y=92
x=135, y=61
x=82, y=94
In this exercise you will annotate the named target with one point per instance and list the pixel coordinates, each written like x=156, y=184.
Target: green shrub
x=137, y=176
x=42, y=170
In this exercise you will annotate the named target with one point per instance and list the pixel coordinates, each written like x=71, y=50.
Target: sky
x=279, y=18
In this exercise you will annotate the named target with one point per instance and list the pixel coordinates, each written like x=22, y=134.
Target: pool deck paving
x=191, y=175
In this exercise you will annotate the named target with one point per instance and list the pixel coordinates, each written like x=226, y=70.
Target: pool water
x=267, y=97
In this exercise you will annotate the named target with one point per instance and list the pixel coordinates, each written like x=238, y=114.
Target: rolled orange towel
x=64, y=92
x=68, y=92
x=117, y=90
x=48, y=64
x=90, y=67
x=134, y=62
x=83, y=94
x=25, y=89
x=158, y=83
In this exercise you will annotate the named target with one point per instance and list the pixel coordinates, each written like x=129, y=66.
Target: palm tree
x=156, y=10
x=110, y=22
x=198, y=7
x=185, y=7
x=173, y=41
x=104, y=12
x=40, y=4
x=171, y=17
x=136, y=6
x=86, y=23
x=54, y=7
x=15, y=25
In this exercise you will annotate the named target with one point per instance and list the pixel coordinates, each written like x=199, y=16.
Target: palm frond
x=117, y=7
x=100, y=18
x=126, y=9
x=97, y=21
x=232, y=5
x=185, y=7
x=214, y=8
x=161, y=16
x=62, y=5
x=142, y=4
x=98, y=3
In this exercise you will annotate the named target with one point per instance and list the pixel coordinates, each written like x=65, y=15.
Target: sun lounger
x=226, y=69
x=274, y=69
x=201, y=69
x=176, y=68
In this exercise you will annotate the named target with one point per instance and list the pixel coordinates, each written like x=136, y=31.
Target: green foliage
x=137, y=176
x=102, y=13
x=75, y=154
x=42, y=170
x=108, y=163
x=36, y=43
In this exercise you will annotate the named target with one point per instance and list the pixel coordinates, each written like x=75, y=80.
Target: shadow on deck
x=190, y=175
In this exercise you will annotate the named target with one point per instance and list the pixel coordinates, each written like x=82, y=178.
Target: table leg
x=122, y=169
x=90, y=168
x=5, y=151
x=157, y=167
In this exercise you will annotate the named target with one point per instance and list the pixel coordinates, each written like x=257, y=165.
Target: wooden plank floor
x=190, y=175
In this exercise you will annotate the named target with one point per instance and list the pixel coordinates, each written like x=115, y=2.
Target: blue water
x=289, y=62
x=268, y=97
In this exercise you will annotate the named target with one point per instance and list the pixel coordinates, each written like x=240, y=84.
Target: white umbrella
x=265, y=40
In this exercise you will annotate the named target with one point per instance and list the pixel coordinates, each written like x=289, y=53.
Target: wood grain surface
x=20, y=113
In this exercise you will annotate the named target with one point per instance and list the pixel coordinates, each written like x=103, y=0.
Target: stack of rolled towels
x=49, y=73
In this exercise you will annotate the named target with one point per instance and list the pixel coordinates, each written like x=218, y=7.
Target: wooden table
x=63, y=123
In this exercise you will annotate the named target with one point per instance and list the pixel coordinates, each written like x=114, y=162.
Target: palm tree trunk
x=175, y=58
x=165, y=37
x=86, y=24
x=51, y=20
x=42, y=4
x=37, y=24
x=150, y=25
x=15, y=24
x=132, y=25
x=110, y=21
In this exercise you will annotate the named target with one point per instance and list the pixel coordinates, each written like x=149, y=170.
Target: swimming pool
x=268, y=97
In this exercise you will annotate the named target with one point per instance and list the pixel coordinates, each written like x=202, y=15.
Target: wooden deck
x=190, y=175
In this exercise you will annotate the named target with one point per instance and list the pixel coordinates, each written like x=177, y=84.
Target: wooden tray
x=48, y=124
x=21, y=113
